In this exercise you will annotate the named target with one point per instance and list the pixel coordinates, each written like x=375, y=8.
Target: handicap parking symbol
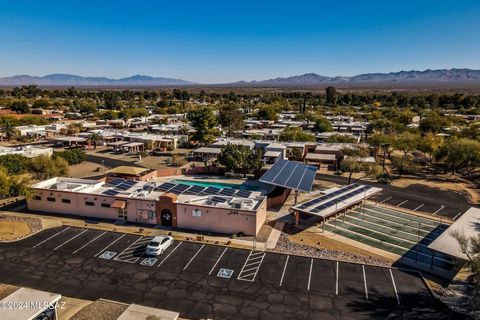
x=148, y=262
x=225, y=273
x=107, y=255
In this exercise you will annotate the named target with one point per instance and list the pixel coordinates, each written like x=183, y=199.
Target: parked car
x=158, y=245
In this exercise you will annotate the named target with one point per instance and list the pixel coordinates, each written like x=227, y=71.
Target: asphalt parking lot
x=425, y=205
x=201, y=280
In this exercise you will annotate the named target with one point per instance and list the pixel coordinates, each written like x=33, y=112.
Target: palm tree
x=95, y=137
x=7, y=127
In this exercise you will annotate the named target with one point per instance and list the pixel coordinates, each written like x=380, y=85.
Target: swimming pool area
x=219, y=185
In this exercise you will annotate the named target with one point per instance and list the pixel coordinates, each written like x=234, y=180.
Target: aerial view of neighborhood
x=239, y=160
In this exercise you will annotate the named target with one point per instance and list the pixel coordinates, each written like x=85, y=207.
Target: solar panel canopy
x=290, y=174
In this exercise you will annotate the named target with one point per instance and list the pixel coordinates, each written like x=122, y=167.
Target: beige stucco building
x=143, y=202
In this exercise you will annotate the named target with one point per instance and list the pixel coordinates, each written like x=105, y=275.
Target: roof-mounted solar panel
x=110, y=192
x=196, y=189
x=211, y=190
x=243, y=193
x=218, y=199
x=227, y=192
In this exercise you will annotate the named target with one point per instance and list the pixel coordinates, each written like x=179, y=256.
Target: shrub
x=72, y=156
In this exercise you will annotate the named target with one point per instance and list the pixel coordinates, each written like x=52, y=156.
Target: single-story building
x=147, y=202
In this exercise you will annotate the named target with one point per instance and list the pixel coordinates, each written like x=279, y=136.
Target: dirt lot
x=87, y=169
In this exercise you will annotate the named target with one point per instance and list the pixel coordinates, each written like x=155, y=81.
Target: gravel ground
x=103, y=310
x=34, y=224
x=6, y=290
x=286, y=246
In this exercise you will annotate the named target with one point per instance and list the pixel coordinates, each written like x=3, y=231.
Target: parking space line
x=196, y=253
x=116, y=258
x=310, y=274
x=284, y=268
x=386, y=199
x=70, y=239
x=86, y=244
x=56, y=234
x=365, y=282
x=255, y=259
x=440, y=209
x=394, y=286
x=455, y=218
x=418, y=207
x=398, y=205
x=218, y=260
x=108, y=246
x=178, y=245
x=336, y=276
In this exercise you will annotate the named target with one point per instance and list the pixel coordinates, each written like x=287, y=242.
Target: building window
x=65, y=200
x=105, y=205
x=89, y=203
x=37, y=198
x=51, y=199
x=196, y=213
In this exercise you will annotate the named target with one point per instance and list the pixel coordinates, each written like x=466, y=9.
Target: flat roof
x=468, y=223
x=273, y=154
x=208, y=150
x=70, y=139
x=320, y=156
x=133, y=144
x=34, y=299
x=116, y=143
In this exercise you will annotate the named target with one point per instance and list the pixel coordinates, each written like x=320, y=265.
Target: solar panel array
x=291, y=175
x=340, y=199
x=110, y=192
x=328, y=196
x=127, y=184
x=115, y=182
x=179, y=188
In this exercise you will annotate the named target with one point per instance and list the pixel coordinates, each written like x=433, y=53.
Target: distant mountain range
x=74, y=80
x=442, y=75
x=413, y=77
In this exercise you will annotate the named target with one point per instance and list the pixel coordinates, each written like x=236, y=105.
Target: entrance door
x=166, y=217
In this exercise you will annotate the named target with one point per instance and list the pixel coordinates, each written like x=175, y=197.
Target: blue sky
x=221, y=41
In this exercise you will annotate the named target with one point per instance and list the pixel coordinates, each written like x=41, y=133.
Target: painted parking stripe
x=455, y=218
x=251, y=266
x=365, y=282
x=86, y=244
x=78, y=235
x=398, y=205
x=394, y=287
x=108, y=246
x=310, y=274
x=218, y=260
x=128, y=247
x=418, y=207
x=336, y=281
x=128, y=255
x=439, y=209
x=56, y=234
x=196, y=253
x=178, y=245
x=386, y=199
x=284, y=268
